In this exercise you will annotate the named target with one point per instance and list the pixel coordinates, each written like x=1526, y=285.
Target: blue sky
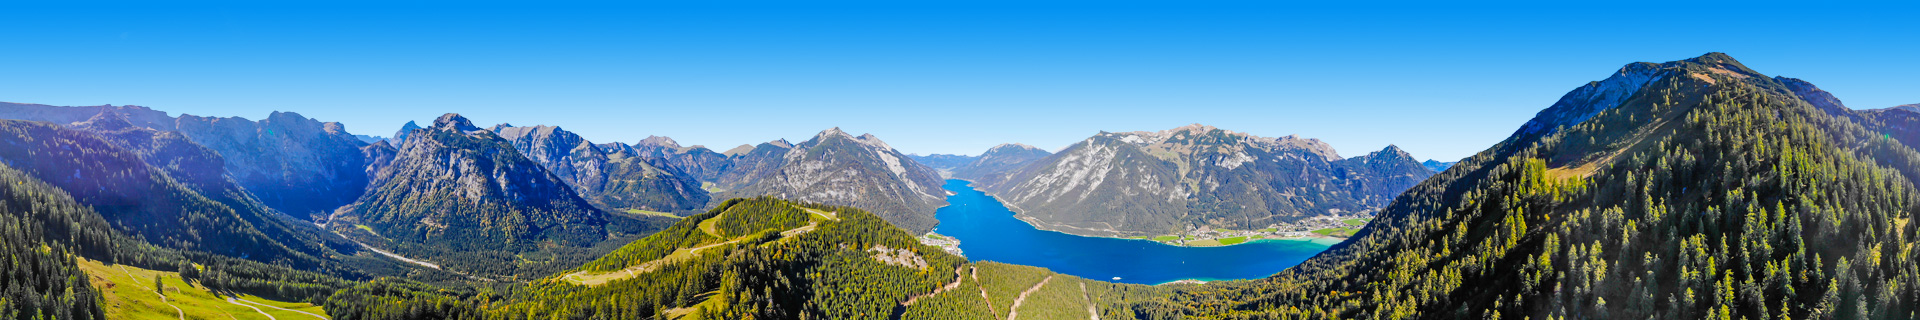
x=1439, y=80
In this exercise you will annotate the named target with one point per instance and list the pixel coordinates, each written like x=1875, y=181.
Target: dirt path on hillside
x=284, y=309
x=255, y=309
x=1013, y=312
x=957, y=279
x=1092, y=313
x=163, y=297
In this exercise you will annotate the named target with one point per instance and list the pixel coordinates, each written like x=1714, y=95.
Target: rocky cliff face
x=994, y=165
x=1138, y=183
x=456, y=187
x=614, y=176
x=837, y=168
x=564, y=154
x=702, y=163
x=400, y=137
x=203, y=171
x=303, y=167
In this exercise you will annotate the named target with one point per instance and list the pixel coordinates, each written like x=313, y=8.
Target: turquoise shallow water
x=989, y=232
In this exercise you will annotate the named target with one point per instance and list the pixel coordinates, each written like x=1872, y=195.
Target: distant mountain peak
x=1013, y=145
x=453, y=121
x=740, y=150
x=1195, y=128
x=1395, y=150
x=834, y=131
x=1908, y=107
x=659, y=141
x=106, y=120
x=400, y=137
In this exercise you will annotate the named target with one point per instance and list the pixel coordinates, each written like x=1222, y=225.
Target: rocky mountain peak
x=1192, y=129
x=1589, y=100
x=835, y=131
x=286, y=116
x=400, y=137
x=872, y=141
x=453, y=122
x=106, y=120
x=659, y=141
x=1396, y=152
x=1011, y=145
x=1908, y=107
x=740, y=150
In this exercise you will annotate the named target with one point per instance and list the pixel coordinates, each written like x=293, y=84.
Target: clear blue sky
x=1440, y=80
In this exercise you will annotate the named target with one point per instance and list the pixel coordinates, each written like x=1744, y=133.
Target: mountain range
x=299, y=166
x=838, y=168
x=464, y=197
x=614, y=176
x=994, y=164
x=1698, y=188
x=1166, y=182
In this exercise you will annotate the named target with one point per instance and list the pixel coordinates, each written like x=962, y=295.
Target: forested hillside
x=43, y=232
x=765, y=258
x=140, y=199
x=1702, y=190
x=759, y=258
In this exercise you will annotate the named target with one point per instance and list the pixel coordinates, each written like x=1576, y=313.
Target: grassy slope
x=128, y=294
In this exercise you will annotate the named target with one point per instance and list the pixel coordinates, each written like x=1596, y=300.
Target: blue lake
x=989, y=232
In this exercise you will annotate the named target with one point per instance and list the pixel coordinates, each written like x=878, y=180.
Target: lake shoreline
x=1315, y=238
x=990, y=231
x=1029, y=220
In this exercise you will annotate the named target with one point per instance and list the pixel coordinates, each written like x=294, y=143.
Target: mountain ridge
x=1192, y=176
